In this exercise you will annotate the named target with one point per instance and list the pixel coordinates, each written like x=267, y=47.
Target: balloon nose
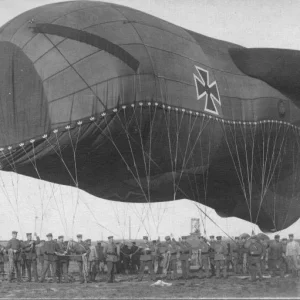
x=24, y=109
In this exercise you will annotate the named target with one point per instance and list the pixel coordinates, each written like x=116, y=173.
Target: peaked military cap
x=28, y=234
x=211, y=236
x=49, y=234
x=277, y=236
x=79, y=235
x=110, y=237
x=167, y=238
x=145, y=237
x=284, y=239
x=291, y=235
x=61, y=237
x=219, y=237
x=99, y=242
x=15, y=232
x=88, y=240
x=236, y=238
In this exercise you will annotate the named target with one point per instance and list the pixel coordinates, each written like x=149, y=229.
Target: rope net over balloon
x=151, y=138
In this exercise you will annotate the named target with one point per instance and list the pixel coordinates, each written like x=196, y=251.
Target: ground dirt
x=128, y=287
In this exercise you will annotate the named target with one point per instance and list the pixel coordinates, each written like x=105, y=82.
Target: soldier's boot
x=109, y=278
x=186, y=276
x=153, y=276
x=140, y=277
x=81, y=279
x=213, y=270
x=281, y=273
x=65, y=278
x=206, y=272
x=225, y=272
x=259, y=273
x=19, y=278
x=175, y=275
x=235, y=268
x=55, y=279
x=29, y=276
x=253, y=274
x=169, y=277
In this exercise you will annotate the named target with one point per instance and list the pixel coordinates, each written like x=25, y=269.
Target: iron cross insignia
x=207, y=90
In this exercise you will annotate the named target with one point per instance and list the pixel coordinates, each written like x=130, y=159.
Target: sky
x=29, y=205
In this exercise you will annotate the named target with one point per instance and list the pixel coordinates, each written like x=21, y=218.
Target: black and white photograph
x=150, y=149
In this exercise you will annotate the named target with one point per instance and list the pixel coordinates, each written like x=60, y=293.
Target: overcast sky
x=251, y=23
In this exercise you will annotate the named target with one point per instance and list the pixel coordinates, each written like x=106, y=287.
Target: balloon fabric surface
x=130, y=108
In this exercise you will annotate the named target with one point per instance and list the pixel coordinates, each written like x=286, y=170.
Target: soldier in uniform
x=146, y=259
x=101, y=258
x=212, y=254
x=135, y=257
x=255, y=255
x=286, y=265
x=112, y=254
x=118, y=263
x=292, y=253
x=23, y=261
x=185, y=257
x=50, y=257
x=204, y=249
x=235, y=255
x=14, y=248
x=40, y=254
x=31, y=256
x=275, y=259
x=220, y=250
x=264, y=261
x=172, y=252
x=93, y=261
x=62, y=260
x=80, y=249
x=244, y=255
x=125, y=258
x=2, y=252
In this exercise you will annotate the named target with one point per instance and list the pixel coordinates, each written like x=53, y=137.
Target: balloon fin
x=280, y=68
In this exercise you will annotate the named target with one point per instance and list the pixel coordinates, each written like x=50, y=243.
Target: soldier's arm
x=8, y=246
x=37, y=240
x=56, y=247
x=105, y=251
x=25, y=245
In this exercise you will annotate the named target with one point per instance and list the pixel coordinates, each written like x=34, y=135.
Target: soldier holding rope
x=112, y=254
x=14, y=248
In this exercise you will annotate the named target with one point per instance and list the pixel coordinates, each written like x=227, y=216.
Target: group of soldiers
x=246, y=254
